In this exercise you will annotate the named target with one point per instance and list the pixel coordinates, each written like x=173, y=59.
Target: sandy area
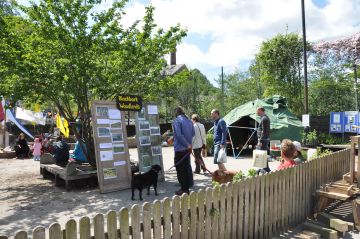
x=27, y=200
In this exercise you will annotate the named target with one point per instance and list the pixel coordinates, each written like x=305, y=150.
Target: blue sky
x=228, y=33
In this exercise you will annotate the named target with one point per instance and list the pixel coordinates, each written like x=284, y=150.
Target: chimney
x=173, y=58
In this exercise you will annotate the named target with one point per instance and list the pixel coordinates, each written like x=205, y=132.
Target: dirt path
x=27, y=200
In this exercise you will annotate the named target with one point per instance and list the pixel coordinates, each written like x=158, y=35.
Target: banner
x=28, y=115
x=10, y=117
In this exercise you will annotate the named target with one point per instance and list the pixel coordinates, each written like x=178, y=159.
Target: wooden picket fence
x=259, y=207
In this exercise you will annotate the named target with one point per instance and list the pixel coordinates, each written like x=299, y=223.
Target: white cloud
x=236, y=28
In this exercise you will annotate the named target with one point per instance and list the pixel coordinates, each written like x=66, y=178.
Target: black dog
x=147, y=179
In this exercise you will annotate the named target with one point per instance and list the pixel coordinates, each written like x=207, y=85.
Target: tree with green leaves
x=239, y=88
x=279, y=64
x=72, y=55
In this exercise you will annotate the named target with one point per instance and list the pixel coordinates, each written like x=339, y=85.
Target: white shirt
x=200, y=136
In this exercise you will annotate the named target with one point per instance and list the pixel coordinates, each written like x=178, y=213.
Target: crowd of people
x=55, y=146
x=189, y=138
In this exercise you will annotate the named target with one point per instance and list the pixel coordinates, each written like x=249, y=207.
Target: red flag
x=2, y=115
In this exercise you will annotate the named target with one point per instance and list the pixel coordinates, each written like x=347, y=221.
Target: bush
x=238, y=177
x=209, y=143
x=320, y=153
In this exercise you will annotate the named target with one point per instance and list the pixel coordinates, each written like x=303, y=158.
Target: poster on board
x=336, y=122
x=149, y=138
x=111, y=147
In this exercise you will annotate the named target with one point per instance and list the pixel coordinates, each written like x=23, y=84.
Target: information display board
x=111, y=147
x=149, y=138
x=336, y=122
x=351, y=118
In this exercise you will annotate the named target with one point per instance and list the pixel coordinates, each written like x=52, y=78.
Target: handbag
x=221, y=158
x=260, y=158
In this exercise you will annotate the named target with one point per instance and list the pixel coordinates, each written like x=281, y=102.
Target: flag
x=63, y=126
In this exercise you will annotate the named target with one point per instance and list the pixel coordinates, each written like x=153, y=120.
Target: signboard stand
x=148, y=139
x=111, y=147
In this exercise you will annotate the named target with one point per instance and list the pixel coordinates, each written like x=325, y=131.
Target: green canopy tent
x=243, y=119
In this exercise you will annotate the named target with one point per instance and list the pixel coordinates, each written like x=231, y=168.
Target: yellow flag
x=63, y=126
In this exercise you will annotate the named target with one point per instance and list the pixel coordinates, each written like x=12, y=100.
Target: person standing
x=220, y=134
x=37, y=149
x=263, y=132
x=183, y=135
x=198, y=143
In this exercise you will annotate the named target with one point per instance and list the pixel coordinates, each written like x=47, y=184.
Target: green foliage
x=215, y=184
x=320, y=153
x=279, y=64
x=251, y=173
x=309, y=138
x=326, y=138
x=239, y=176
x=209, y=142
x=239, y=88
x=326, y=95
x=70, y=55
x=189, y=89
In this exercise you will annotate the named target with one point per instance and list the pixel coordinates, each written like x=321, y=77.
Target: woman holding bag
x=198, y=142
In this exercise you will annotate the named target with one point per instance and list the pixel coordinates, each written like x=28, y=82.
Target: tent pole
x=232, y=145
x=245, y=144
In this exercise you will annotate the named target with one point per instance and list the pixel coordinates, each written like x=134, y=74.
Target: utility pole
x=305, y=58
x=222, y=90
x=355, y=88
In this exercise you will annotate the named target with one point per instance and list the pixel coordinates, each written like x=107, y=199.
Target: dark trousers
x=183, y=169
x=199, y=162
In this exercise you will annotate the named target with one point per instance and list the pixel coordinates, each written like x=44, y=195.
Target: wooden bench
x=72, y=172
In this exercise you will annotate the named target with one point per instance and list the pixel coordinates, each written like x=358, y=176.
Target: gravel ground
x=27, y=200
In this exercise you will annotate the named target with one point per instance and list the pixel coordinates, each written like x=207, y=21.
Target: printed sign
x=351, y=118
x=336, y=122
x=129, y=103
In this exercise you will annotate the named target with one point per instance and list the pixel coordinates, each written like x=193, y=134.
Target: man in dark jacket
x=61, y=152
x=183, y=134
x=263, y=132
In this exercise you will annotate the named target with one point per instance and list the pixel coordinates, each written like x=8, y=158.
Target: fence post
x=111, y=224
x=85, y=232
x=193, y=215
x=38, y=233
x=184, y=216
x=146, y=215
x=55, y=231
x=176, y=217
x=124, y=223
x=167, y=218
x=215, y=214
x=71, y=230
x=201, y=208
x=222, y=211
x=135, y=222
x=157, y=219
x=228, y=215
x=21, y=235
x=99, y=226
x=235, y=196
x=208, y=212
